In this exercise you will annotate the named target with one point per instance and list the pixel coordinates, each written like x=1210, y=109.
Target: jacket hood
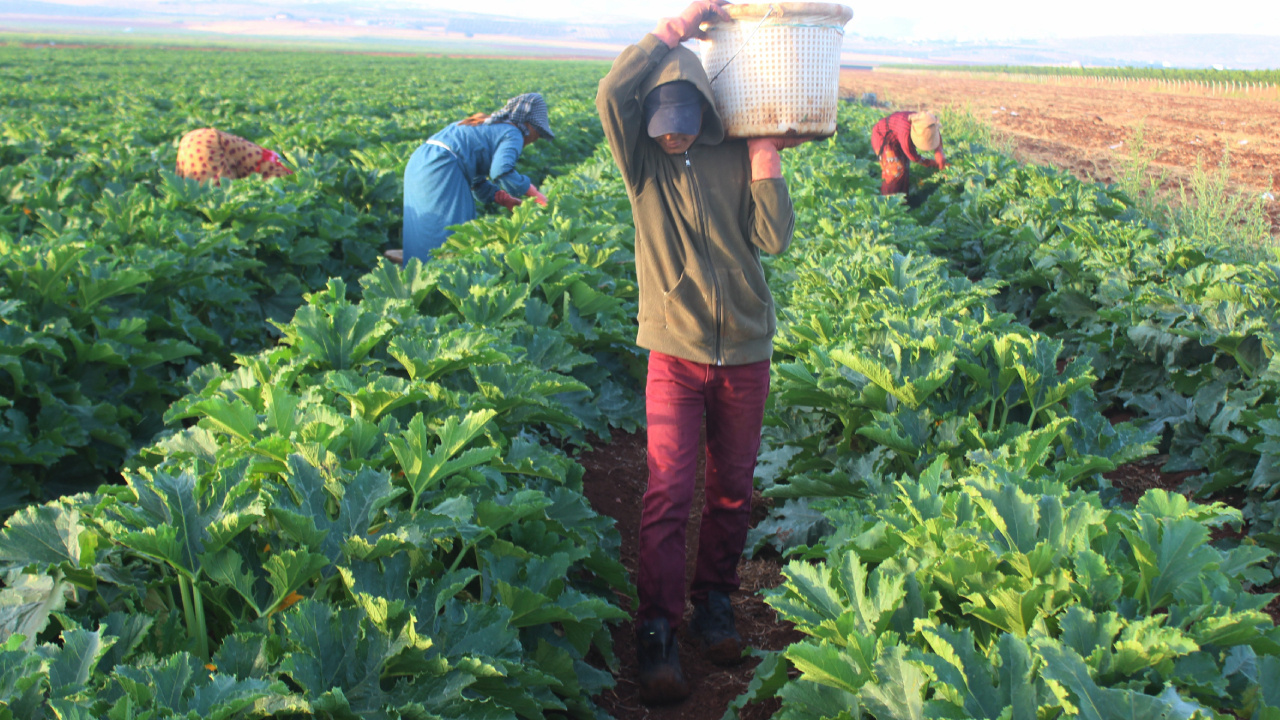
x=681, y=63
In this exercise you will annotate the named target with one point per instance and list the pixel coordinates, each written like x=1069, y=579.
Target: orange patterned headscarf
x=925, y=134
x=207, y=153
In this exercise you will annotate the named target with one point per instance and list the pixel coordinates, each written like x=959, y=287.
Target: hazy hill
x=1242, y=52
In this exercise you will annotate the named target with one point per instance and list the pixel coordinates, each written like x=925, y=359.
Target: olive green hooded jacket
x=700, y=221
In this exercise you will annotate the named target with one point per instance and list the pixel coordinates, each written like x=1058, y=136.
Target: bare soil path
x=615, y=482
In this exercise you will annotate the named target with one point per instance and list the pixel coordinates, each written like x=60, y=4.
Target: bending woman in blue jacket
x=470, y=160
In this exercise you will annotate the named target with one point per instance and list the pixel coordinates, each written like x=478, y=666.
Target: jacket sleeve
x=773, y=219
x=619, y=103
x=877, y=135
x=502, y=170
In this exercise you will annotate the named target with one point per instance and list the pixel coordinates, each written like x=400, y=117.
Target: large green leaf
x=1171, y=556
x=72, y=666
x=898, y=690
x=1096, y=703
x=303, y=508
x=338, y=649
x=986, y=690
x=425, y=467
x=22, y=680
x=180, y=521
x=27, y=603
x=44, y=536
x=232, y=416
x=336, y=338
x=826, y=663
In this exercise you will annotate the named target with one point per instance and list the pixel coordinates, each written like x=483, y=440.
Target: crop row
x=936, y=449
x=1180, y=333
x=122, y=278
x=371, y=519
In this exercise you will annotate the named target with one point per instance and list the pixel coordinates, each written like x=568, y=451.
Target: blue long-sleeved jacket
x=441, y=187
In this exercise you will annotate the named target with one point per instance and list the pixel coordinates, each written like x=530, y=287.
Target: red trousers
x=894, y=175
x=678, y=395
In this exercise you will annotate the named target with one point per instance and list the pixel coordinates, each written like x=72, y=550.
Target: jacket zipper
x=706, y=248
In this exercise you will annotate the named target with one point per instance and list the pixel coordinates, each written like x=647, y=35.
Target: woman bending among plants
x=898, y=141
x=209, y=154
x=473, y=159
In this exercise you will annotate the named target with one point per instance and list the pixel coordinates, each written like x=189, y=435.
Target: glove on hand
x=537, y=195
x=271, y=166
x=505, y=200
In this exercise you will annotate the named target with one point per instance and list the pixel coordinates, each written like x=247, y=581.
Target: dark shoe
x=661, y=680
x=713, y=627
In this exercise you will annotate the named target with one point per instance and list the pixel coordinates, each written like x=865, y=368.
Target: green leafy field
x=941, y=423
x=348, y=490
x=121, y=278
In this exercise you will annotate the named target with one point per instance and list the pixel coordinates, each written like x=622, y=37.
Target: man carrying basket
x=704, y=209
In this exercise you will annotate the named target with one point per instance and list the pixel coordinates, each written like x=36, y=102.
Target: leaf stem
x=188, y=608
x=202, y=640
x=463, y=553
x=471, y=546
x=46, y=606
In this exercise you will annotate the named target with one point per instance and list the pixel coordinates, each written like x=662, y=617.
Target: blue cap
x=674, y=107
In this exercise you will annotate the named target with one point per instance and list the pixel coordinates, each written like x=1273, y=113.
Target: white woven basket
x=775, y=67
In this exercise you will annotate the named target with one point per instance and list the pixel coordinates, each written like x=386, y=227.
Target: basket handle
x=744, y=42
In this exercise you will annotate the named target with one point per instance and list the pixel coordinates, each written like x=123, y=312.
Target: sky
x=946, y=20
x=955, y=19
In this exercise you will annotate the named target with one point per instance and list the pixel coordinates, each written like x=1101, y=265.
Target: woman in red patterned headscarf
x=212, y=154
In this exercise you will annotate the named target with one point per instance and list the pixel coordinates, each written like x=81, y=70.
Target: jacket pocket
x=747, y=316
x=686, y=312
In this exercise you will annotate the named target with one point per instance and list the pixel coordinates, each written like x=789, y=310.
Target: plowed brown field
x=1089, y=131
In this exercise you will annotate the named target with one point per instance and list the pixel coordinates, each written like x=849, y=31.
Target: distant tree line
x=506, y=27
